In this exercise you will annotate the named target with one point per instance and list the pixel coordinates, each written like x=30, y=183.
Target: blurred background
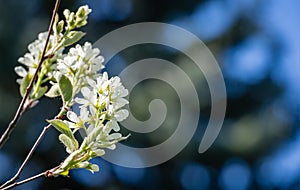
x=256, y=43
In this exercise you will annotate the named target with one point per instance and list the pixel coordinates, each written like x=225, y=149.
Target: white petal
x=31, y=70
x=121, y=115
x=72, y=116
x=84, y=113
x=27, y=60
x=20, y=71
x=94, y=168
x=90, y=129
x=107, y=128
x=19, y=81
x=112, y=147
x=81, y=101
x=91, y=82
x=115, y=125
x=114, y=136
x=105, y=76
x=86, y=92
x=71, y=125
x=93, y=110
x=99, y=152
x=110, y=109
x=120, y=102
x=83, y=164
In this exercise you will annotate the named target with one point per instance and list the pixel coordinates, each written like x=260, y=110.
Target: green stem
x=38, y=84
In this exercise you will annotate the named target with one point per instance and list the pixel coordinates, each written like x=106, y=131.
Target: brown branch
x=34, y=147
x=48, y=174
x=24, y=181
x=17, y=175
x=22, y=107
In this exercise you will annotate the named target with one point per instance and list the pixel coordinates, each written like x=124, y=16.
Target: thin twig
x=37, y=142
x=22, y=108
x=25, y=181
x=48, y=174
x=60, y=115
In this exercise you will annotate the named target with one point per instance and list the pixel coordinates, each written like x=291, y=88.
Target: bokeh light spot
x=235, y=175
x=115, y=10
x=195, y=177
x=248, y=62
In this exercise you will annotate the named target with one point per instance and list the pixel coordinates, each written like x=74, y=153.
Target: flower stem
x=37, y=86
x=22, y=108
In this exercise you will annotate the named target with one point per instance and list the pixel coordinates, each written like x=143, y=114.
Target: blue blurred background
x=256, y=43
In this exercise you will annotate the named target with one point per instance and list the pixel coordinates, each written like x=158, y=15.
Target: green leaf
x=73, y=37
x=41, y=92
x=66, y=88
x=24, y=84
x=60, y=26
x=62, y=127
x=53, y=92
x=71, y=144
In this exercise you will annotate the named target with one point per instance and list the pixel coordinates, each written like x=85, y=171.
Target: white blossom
x=106, y=95
x=100, y=111
x=102, y=98
x=78, y=122
x=31, y=59
x=82, y=63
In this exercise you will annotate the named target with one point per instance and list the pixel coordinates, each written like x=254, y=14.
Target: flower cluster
x=78, y=19
x=100, y=110
x=30, y=63
x=76, y=78
x=31, y=59
x=57, y=42
x=81, y=64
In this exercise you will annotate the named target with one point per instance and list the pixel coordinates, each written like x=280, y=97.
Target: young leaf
x=73, y=37
x=41, y=92
x=66, y=88
x=61, y=127
x=70, y=144
x=24, y=84
x=53, y=92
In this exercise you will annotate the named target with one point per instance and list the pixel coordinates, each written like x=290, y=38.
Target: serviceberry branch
x=23, y=107
x=47, y=173
x=76, y=78
x=29, y=155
